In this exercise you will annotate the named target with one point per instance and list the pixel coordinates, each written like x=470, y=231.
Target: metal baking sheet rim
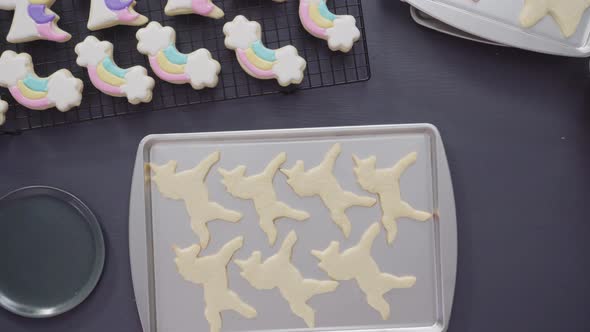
x=140, y=235
x=496, y=31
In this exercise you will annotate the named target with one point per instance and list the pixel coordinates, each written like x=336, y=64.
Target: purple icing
x=37, y=13
x=118, y=4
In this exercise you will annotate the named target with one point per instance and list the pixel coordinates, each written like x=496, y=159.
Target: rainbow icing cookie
x=33, y=20
x=3, y=109
x=133, y=83
x=60, y=89
x=199, y=7
x=283, y=64
x=108, y=13
x=339, y=30
x=159, y=44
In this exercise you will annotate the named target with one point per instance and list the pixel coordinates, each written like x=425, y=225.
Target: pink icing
x=260, y=73
x=308, y=23
x=202, y=7
x=126, y=15
x=173, y=78
x=103, y=86
x=46, y=31
x=35, y=104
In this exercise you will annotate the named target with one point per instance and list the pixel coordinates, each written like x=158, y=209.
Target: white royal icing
x=343, y=34
x=101, y=17
x=289, y=66
x=241, y=33
x=24, y=28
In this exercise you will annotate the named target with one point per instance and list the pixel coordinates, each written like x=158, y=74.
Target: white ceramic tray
x=427, y=250
x=498, y=21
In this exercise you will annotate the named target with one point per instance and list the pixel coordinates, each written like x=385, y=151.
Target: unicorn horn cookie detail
x=385, y=183
x=106, y=76
x=60, y=90
x=33, y=20
x=197, y=68
x=3, y=110
x=283, y=64
x=108, y=13
x=199, y=7
x=567, y=13
x=339, y=30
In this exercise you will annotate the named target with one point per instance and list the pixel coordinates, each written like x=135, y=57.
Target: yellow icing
x=109, y=78
x=317, y=17
x=168, y=66
x=39, y=2
x=28, y=93
x=257, y=61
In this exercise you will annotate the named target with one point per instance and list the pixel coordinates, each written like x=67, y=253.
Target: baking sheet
x=498, y=20
x=426, y=250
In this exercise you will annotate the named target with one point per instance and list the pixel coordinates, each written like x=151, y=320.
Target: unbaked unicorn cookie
x=33, y=20
x=108, y=13
x=60, y=90
x=133, y=83
x=567, y=13
x=283, y=64
x=199, y=7
x=339, y=30
x=159, y=44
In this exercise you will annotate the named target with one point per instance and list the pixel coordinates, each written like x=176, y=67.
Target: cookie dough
x=321, y=181
x=211, y=273
x=278, y=272
x=385, y=183
x=358, y=264
x=567, y=13
x=189, y=186
x=259, y=188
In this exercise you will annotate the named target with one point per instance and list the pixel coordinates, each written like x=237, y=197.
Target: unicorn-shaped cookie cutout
x=108, y=13
x=133, y=83
x=211, y=272
x=278, y=272
x=259, y=188
x=3, y=110
x=283, y=64
x=339, y=30
x=33, y=20
x=567, y=14
x=159, y=44
x=189, y=186
x=385, y=183
x=199, y=7
x=358, y=264
x=60, y=90
x=321, y=181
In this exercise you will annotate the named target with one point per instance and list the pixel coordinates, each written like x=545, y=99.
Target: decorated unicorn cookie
x=199, y=7
x=33, y=20
x=108, y=13
x=197, y=68
x=339, y=30
x=106, y=76
x=60, y=90
x=283, y=64
x=3, y=109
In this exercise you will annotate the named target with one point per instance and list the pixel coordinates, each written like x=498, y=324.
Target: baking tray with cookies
x=324, y=229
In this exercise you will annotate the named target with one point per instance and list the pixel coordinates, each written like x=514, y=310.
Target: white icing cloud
x=289, y=66
x=241, y=33
x=343, y=34
x=139, y=85
x=202, y=69
x=64, y=90
x=3, y=110
x=92, y=51
x=14, y=67
x=153, y=38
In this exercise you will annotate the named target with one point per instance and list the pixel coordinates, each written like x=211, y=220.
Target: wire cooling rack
x=280, y=27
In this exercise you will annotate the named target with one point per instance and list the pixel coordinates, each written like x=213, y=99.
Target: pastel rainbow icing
x=106, y=76
x=60, y=89
x=339, y=30
x=200, y=7
x=108, y=13
x=33, y=20
x=283, y=64
x=159, y=44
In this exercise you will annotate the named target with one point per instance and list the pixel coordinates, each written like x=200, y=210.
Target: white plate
x=498, y=20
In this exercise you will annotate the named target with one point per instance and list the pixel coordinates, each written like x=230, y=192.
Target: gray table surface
x=516, y=128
